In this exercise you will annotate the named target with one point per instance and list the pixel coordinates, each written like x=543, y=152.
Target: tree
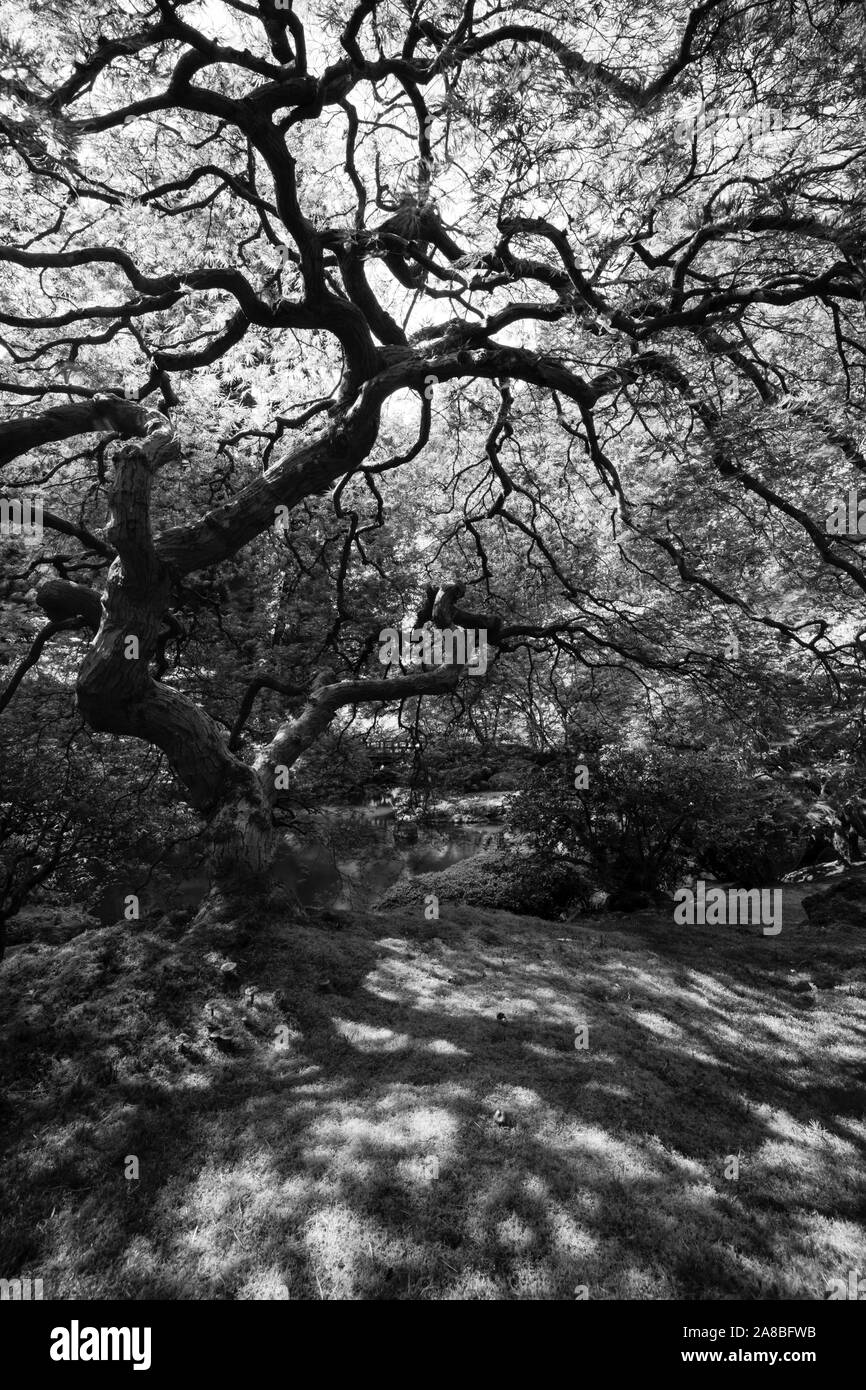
x=619, y=252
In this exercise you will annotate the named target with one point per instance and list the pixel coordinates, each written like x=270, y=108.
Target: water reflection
x=363, y=853
x=340, y=857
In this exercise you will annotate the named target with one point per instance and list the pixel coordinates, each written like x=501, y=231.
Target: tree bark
x=60, y=599
x=64, y=421
x=117, y=694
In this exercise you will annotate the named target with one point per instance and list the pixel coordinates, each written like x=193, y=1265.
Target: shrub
x=650, y=815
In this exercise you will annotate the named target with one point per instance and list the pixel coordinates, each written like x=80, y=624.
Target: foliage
x=75, y=816
x=549, y=307
x=630, y=825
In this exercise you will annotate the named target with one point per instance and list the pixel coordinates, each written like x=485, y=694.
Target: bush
x=77, y=812
x=630, y=827
x=651, y=815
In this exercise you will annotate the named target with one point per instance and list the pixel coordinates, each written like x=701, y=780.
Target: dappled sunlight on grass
x=351, y=1119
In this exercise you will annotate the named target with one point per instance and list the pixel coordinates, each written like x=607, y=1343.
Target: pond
x=345, y=857
x=367, y=853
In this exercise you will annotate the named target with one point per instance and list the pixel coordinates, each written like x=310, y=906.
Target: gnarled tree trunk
x=243, y=838
x=117, y=693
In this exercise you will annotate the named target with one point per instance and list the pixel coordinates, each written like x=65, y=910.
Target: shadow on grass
x=319, y=1119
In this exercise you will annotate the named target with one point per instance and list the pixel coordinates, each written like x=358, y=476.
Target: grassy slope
x=307, y=1169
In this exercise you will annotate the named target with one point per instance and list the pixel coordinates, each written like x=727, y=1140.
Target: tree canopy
x=540, y=318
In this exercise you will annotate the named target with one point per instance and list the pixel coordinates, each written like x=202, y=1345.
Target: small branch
x=44, y=635
x=80, y=533
x=252, y=690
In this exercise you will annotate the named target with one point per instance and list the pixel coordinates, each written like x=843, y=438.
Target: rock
x=499, y=880
x=844, y=901
x=506, y=880
x=229, y=975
